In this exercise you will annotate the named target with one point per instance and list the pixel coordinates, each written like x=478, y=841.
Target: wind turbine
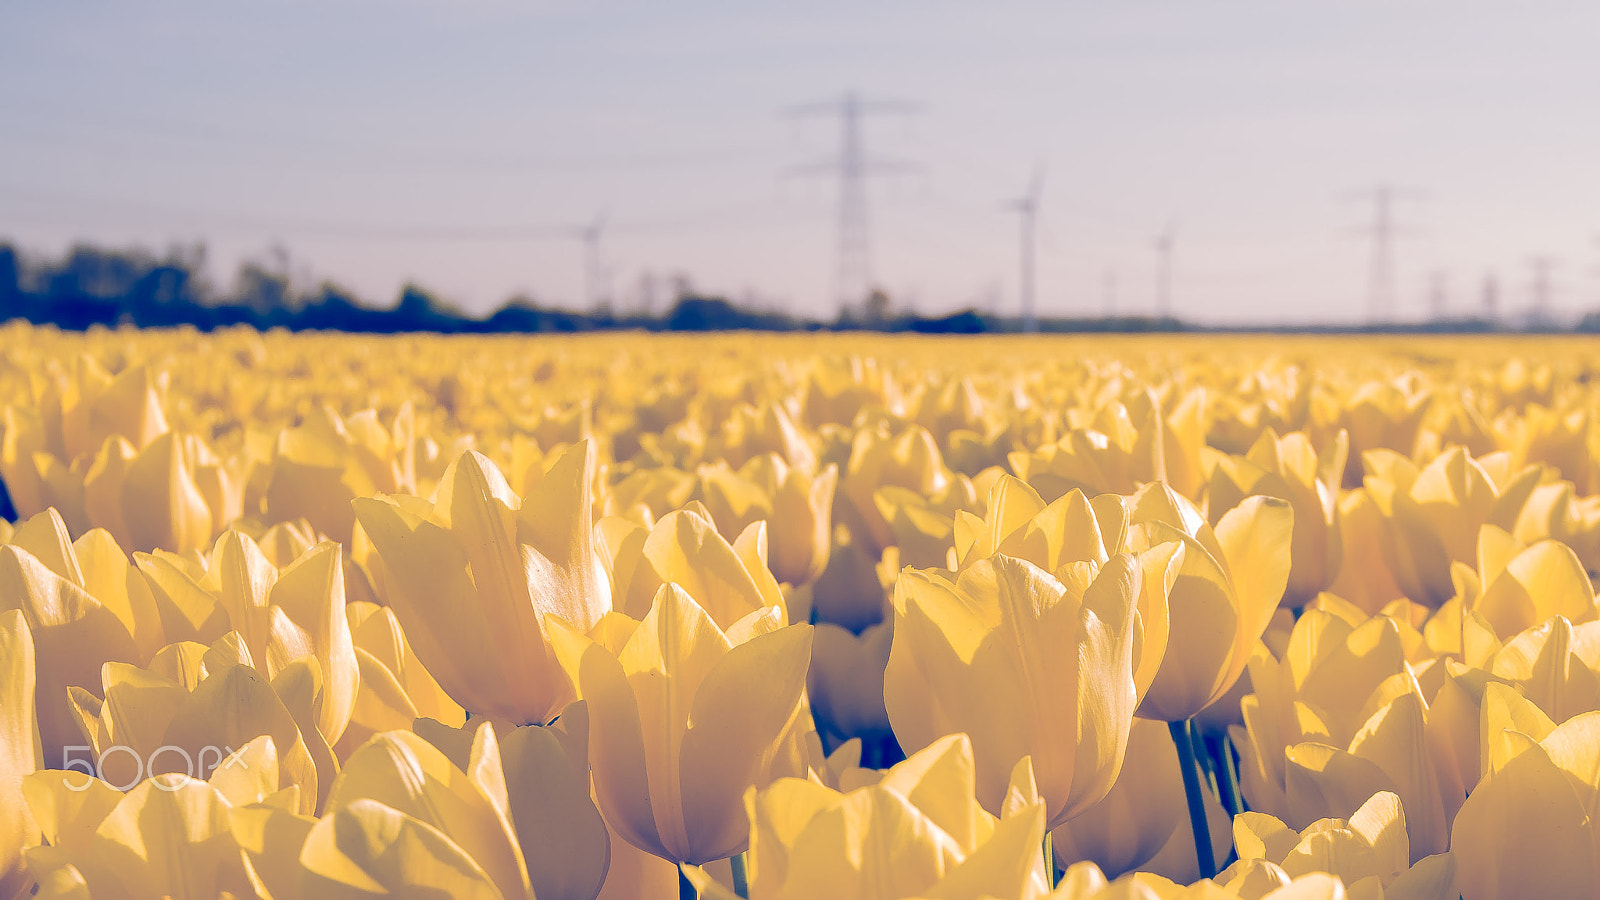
x=1027, y=208
x=594, y=265
x=1163, y=245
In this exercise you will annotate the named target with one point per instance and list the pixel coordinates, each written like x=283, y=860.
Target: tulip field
x=789, y=617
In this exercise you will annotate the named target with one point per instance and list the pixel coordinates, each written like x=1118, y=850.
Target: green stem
x=1228, y=776
x=1182, y=738
x=1049, y=861
x=686, y=889
x=1208, y=767
x=741, y=880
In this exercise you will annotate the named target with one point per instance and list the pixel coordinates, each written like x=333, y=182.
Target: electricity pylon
x=853, y=276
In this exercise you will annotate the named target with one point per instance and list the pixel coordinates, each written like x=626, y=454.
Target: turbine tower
x=595, y=277
x=1164, y=244
x=1027, y=209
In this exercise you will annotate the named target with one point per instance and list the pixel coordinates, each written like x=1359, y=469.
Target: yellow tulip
x=1522, y=587
x=1382, y=416
x=1069, y=531
x=1529, y=827
x=74, y=632
x=562, y=838
x=923, y=529
x=917, y=832
x=476, y=576
x=170, y=836
x=1433, y=515
x=283, y=615
x=801, y=527
x=1025, y=664
x=751, y=433
x=1364, y=576
x=1368, y=852
x=1117, y=448
x=321, y=465
x=403, y=819
x=1555, y=665
x=1143, y=822
x=19, y=751
x=729, y=580
x=836, y=393
x=1085, y=881
x=685, y=717
x=395, y=689
x=908, y=458
x=1229, y=584
x=1317, y=691
x=191, y=708
x=1390, y=752
x=460, y=811
x=1290, y=469
x=174, y=494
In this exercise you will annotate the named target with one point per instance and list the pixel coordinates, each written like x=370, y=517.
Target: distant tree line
x=92, y=286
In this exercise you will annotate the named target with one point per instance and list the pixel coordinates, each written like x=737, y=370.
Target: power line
x=854, y=263
x=694, y=220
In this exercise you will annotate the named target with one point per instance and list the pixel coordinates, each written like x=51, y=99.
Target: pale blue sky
x=386, y=141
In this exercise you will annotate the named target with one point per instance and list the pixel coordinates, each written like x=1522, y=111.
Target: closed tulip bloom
x=321, y=465
x=1317, y=691
x=1118, y=446
x=1364, y=577
x=472, y=816
x=1228, y=586
x=1529, y=827
x=169, y=837
x=1555, y=665
x=1368, y=852
x=801, y=528
x=476, y=575
x=284, y=614
x=1025, y=664
x=19, y=751
x=909, y=459
x=1290, y=469
x=1433, y=515
x=403, y=819
x=1069, y=531
x=1524, y=586
x=180, y=715
x=685, y=716
x=74, y=632
x=1381, y=415
x=395, y=689
x=1390, y=752
x=729, y=580
x=546, y=770
x=751, y=433
x=917, y=832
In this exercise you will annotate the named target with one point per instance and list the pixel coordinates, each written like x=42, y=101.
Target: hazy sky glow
x=451, y=142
